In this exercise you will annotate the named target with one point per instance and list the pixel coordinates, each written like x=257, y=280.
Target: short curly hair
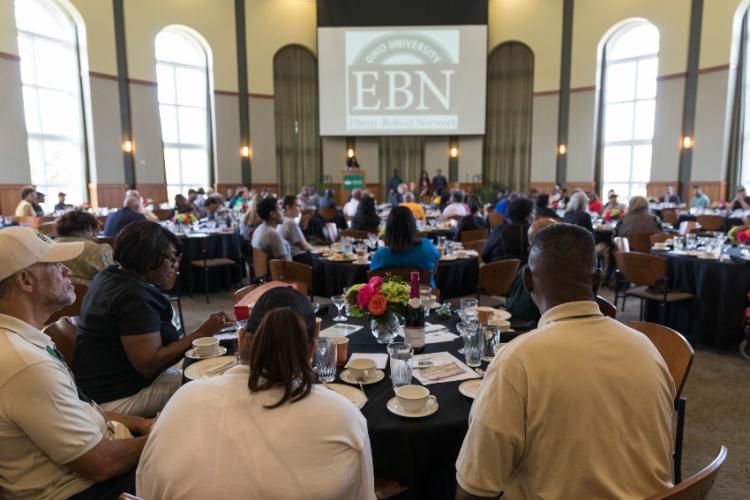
x=140, y=246
x=266, y=207
x=76, y=221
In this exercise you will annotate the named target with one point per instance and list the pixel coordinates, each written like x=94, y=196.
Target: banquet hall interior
x=334, y=249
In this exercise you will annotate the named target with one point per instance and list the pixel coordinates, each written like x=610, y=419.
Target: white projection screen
x=402, y=80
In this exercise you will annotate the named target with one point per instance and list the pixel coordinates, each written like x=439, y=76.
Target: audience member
x=396, y=196
x=670, y=197
x=299, y=430
x=127, y=340
x=291, y=231
x=328, y=200
x=410, y=202
x=308, y=197
x=471, y=221
x=126, y=215
x=217, y=212
x=54, y=441
x=265, y=236
x=542, y=210
x=439, y=183
x=700, y=199
x=613, y=209
x=403, y=246
x=576, y=211
x=520, y=212
x=425, y=187
x=456, y=206
x=183, y=205
x=501, y=207
x=595, y=204
x=579, y=375
x=197, y=200
x=638, y=219
x=350, y=207
x=740, y=201
x=394, y=182
x=61, y=205
x=37, y=204
x=366, y=218
x=78, y=225
x=250, y=219
x=25, y=207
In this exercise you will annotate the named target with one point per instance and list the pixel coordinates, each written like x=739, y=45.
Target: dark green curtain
x=405, y=153
x=295, y=87
x=737, y=128
x=507, y=142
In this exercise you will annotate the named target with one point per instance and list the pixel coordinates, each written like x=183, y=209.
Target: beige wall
x=99, y=29
x=8, y=43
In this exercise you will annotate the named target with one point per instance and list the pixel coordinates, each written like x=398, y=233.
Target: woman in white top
x=263, y=430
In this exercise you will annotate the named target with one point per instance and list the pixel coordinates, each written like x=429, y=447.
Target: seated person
x=281, y=434
x=216, y=211
x=670, y=197
x=542, y=209
x=292, y=233
x=613, y=207
x=265, y=236
x=25, y=207
x=576, y=212
x=562, y=387
x=128, y=214
x=520, y=212
x=54, y=441
x=638, y=219
x=366, y=218
x=184, y=206
x=350, y=207
x=127, y=340
x=456, y=205
x=700, y=199
x=740, y=201
x=403, y=246
x=78, y=225
x=397, y=195
x=473, y=220
x=410, y=202
x=328, y=200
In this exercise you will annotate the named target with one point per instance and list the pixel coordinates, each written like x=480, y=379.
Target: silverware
x=363, y=391
x=221, y=368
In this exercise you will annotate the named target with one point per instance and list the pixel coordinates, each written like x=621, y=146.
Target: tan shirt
x=43, y=423
x=579, y=408
x=24, y=209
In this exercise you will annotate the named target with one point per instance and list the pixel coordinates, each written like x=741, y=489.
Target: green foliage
x=488, y=192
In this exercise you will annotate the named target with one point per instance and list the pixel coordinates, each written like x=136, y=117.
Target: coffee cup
x=362, y=368
x=342, y=350
x=206, y=346
x=412, y=398
x=483, y=314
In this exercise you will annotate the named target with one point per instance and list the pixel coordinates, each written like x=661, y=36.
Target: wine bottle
x=414, y=325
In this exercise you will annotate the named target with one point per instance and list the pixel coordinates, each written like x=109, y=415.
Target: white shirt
x=216, y=440
x=454, y=209
x=350, y=207
x=579, y=408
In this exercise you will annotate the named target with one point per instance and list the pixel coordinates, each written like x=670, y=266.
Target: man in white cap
x=54, y=441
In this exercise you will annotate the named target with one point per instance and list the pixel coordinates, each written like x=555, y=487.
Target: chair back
x=473, y=235
x=669, y=215
x=606, y=307
x=292, y=272
x=357, y=234
x=239, y=294
x=73, y=309
x=162, y=213
x=477, y=246
x=496, y=277
x=641, y=269
x=711, y=222
x=697, y=486
x=63, y=333
x=660, y=237
x=640, y=242
x=677, y=352
x=689, y=226
x=495, y=219
x=48, y=228
x=328, y=213
x=622, y=244
x=260, y=263
x=425, y=276
x=106, y=239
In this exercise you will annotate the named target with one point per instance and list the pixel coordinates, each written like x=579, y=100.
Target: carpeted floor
x=718, y=408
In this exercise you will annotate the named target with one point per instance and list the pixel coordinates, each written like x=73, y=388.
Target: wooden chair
x=622, y=244
x=48, y=228
x=163, y=213
x=63, y=333
x=473, y=235
x=711, y=222
x=669, y=215
x=606, y=307
x=640, y=242
x=207, y=265
x=496, y=277
x=106, y=239
x=659, y=238
x=240, y=294
x=689, y=226
x=649, y=275
x=73, y=309
x=697, y=486
x=495, y=219
x=293, y=272
x=678, y=354
x=328, y=214
x=260, y=264
x=478, y=246
x=357, y=234
x=425, y=276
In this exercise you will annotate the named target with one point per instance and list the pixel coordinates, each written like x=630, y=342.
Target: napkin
x=442, y=358
x=340, y=330
x=381, y=359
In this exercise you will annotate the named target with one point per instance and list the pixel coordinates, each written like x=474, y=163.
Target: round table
x=219, y=244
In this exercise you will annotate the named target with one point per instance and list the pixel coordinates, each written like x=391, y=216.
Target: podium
x=352, y=178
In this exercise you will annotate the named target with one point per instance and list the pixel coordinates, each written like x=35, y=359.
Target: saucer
x=470, y=388
x=430, y=408
x=219, y=352
x=346, y=376
x=209, y=368
x=501, y=314
x=354, y=395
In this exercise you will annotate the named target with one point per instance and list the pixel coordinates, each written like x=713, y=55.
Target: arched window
x=182, y=72
x=738, y=172
x=51, y=77
x=628, y=94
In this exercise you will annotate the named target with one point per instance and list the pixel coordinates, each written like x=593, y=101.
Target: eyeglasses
x=172, y=259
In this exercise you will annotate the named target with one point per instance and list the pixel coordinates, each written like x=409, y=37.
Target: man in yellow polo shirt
x=411, y=203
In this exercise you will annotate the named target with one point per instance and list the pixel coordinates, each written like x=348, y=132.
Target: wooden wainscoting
x=657, y=189
x=223, y=187
x=157, y=192
x=585, y=186
x=543, y=187
x=10, y=196
x=107, y=195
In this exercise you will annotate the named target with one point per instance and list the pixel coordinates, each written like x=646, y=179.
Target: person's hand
x=142, y=426
x=214, y=324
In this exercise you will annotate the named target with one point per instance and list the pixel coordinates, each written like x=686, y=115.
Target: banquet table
x=219, y=244
x=714, y=318
x=454, y=278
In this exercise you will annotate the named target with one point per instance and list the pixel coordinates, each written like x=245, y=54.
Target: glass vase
x=384, y=327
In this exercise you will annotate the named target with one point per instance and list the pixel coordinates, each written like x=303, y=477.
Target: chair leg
x=205, y=282
x=680, y=406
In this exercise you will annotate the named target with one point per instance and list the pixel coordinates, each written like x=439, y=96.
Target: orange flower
x=378, y=304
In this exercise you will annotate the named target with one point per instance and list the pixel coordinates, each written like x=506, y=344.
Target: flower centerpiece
x=381, y=300
x=185, y=219
x=739, y=235
x=612, y=214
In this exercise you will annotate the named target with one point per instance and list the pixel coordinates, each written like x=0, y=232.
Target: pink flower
x=375, y=283
x=742, y=237
x=364, y=295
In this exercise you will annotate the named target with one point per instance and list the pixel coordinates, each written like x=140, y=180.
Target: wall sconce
x=562, y=149
x=246, y=151
x=127, y=146
x=350, y=153
x=687, y=142
x=453, y=152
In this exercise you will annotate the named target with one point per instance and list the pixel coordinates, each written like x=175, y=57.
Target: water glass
x=474, y=346
x=402, y=363
x=463, y=329
x=339, y=301
x=324, y=359
x=468, y=309
x=425, y=296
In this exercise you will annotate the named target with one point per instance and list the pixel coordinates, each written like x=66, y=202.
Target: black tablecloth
x=714, y=318
x=228, y=245
x=453, y=278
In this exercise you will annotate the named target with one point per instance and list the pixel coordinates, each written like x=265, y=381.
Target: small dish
x=470, y=388
x=209, y=368
x=354, y=395
x=219, y=352
x=430, y=408
x=346, y=376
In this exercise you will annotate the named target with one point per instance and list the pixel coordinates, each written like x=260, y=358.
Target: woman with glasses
x=127, y=338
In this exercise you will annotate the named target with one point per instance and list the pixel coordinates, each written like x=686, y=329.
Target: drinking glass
x=425, y=296
x=324, y=359
x=339, y=301
x=468, y=309
x=474, y=346
x=372, y=241
x=464, y=327
x=402, y=362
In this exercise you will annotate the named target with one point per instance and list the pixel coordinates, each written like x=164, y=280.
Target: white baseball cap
x=21, y=247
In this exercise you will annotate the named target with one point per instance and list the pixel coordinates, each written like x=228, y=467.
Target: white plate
x=470, y=388
x=209, y=368
x=501, y=314
x=354, y=395
x=219, y=352
x=449, y=257
x=430, y=408
x=347, y=377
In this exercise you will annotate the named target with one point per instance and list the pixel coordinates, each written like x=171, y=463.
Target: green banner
x=355, y=181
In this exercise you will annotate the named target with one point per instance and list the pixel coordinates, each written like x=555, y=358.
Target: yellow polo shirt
x=416, y=209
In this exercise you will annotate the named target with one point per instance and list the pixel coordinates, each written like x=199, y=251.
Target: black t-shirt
x=118, y=303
